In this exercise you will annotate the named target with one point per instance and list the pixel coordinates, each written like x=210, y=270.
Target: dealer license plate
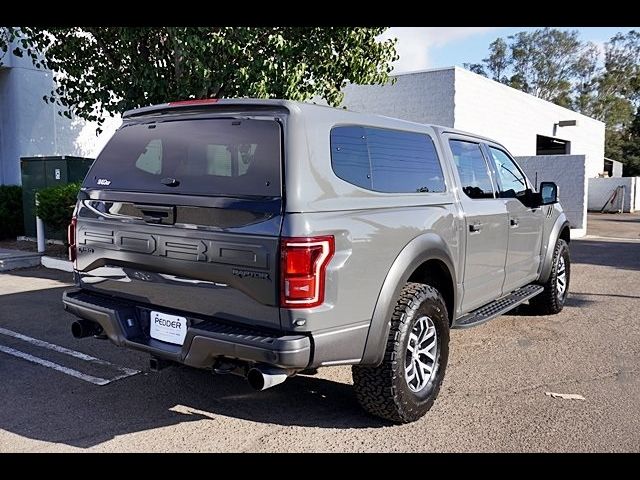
x=168, y=328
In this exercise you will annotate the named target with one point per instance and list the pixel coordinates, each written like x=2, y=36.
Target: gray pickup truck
x=268, y=238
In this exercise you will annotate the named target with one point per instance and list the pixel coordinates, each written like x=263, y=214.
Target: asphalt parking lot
x=61, y=394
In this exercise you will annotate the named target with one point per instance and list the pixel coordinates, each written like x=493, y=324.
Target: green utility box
x=41, y=172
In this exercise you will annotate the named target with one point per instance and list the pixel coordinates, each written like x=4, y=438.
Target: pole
x=39, y=229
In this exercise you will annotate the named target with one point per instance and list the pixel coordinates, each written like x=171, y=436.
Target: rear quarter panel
x=371, y=229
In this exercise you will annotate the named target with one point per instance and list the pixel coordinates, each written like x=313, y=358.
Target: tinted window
x=403, y=162
x=207, y=157
x=472, y=169
x=512, y=181
x=386, y=160
x=349, y=156
x=150, y=160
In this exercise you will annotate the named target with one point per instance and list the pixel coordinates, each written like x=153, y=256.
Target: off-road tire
x=549, y=302
x=383, y=391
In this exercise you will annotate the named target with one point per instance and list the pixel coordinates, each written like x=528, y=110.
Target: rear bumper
x=126, y=324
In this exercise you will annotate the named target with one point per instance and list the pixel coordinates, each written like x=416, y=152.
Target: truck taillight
x=303, y=266
x=71, y=239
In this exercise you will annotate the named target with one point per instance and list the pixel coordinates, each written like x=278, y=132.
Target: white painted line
x=67, y=351
x=612, y=239
x=57, y=263
x=46, y=363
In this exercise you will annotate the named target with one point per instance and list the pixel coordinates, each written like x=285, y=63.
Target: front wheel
x=405, y=385
x=556, y=288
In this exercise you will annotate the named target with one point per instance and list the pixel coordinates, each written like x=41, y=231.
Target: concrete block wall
x=569, y=173
x=601, y=189
x=423, y=97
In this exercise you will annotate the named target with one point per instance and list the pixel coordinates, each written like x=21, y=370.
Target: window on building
x=552, y=146
x=512, y=181
x=383, y=160
x=472, y=169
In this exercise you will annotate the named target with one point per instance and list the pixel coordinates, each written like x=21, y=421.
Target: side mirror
x=548, y=193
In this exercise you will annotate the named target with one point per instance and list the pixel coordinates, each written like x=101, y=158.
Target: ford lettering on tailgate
x=179, y=248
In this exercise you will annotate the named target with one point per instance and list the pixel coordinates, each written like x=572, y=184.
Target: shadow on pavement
x=42, y=404
x=607, y=295
x=526, y=310
x=84, y=415
x=617, y=254
x=41, y=272
x=594, y=217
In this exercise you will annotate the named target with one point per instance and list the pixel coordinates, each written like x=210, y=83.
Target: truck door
x=525, y=222
x=486, y=220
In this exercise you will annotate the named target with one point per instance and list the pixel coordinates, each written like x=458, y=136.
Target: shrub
x=11, y=220
x=56, y=205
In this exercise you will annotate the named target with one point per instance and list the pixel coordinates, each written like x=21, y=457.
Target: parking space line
x=612, y=239
x=67, y=351
x=55, y=366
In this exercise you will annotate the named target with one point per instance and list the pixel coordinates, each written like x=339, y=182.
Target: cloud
x=414, y=43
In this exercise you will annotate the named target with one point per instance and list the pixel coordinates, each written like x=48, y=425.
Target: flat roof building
x=568, y=147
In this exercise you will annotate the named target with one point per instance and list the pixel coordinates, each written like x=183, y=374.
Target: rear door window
x=472, y=169
x=205, y=156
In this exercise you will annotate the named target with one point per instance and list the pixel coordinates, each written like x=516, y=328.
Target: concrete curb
x=57, y=263
x=19, y=261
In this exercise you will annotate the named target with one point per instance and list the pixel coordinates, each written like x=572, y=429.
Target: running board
x=498, y=307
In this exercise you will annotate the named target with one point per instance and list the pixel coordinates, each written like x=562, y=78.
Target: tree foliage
x=11, y=224
x=541, y=62
x=100, y=70
x=557, y=66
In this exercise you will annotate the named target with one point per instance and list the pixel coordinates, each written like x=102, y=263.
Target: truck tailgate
x=223, y=266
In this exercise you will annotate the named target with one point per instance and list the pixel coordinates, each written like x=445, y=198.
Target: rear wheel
x=405, y=385
x=556, y=288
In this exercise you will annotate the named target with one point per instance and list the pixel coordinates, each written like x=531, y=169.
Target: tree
x=541, y=62
x=617, y=101
x=111, y=69
x=625, y=146
x=497, y=63
x=21, y=42
x=557, y=66
x=587, y=73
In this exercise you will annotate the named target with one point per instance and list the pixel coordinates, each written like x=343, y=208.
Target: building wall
x=514, y=118
x=601, y=189
x=417, y=97
x=616, y=170
x=31, y=127
x=572, y=187
x=455, y=97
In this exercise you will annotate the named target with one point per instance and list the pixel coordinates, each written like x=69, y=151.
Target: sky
x=432, y=47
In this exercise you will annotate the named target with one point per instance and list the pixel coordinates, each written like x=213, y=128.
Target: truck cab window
x=472, y=168
x=512, y=181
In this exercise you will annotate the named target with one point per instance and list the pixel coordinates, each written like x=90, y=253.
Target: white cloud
x=414, y=43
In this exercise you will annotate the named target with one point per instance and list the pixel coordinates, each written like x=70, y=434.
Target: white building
x=526, y=125
x=31, y=127
x=531, y=128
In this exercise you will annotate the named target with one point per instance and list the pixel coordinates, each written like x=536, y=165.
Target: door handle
x=514, y=222
x=475, y=227
x=157, y=213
